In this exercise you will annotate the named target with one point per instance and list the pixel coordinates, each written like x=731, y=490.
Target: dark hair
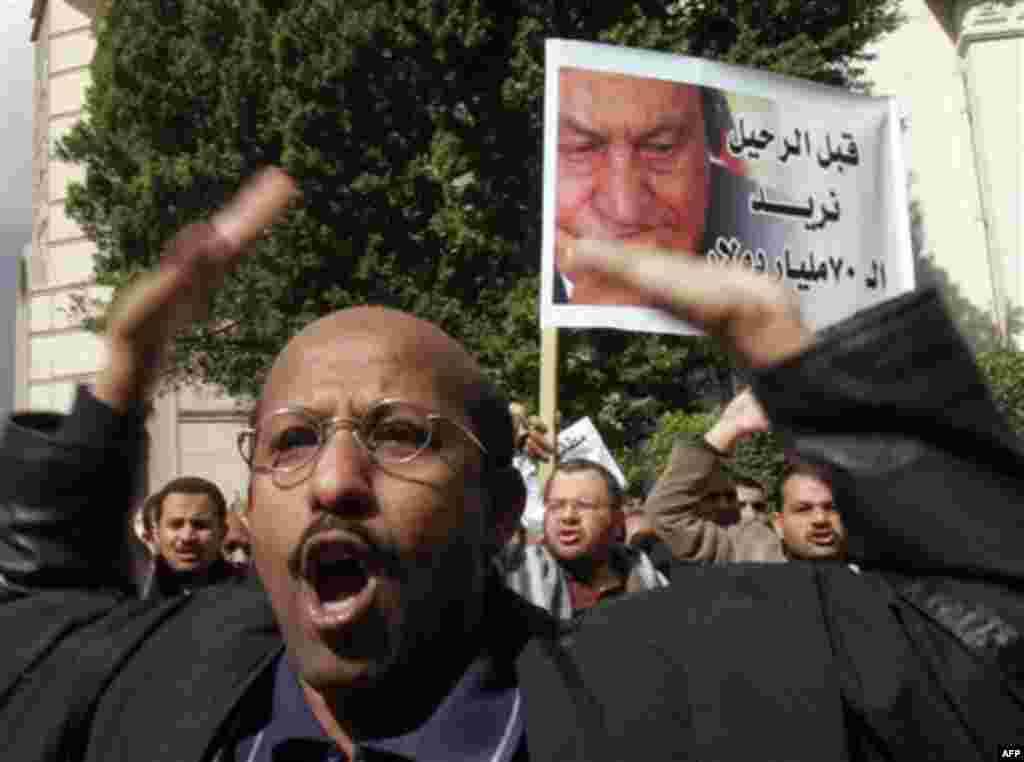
x=797, y=466
x=487, y=410
x=747, y=481
x=580, y=465
x=186, y=485
x=717, y=118
x=148, y=509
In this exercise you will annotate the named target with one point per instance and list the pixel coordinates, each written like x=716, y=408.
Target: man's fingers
x=755, y=317
x=255, y=207
x=160, y=304
x=677, y=282
x=173, y=282
x=198, y=258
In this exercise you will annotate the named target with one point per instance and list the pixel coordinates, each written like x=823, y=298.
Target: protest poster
x=803, y=182
x=581, y=440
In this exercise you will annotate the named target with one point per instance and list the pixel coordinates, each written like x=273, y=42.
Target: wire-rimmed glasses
x=391, y=432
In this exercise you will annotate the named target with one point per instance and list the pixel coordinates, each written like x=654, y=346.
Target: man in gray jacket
x=581, y=561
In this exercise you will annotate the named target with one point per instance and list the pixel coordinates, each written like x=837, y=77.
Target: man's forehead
x=805, y=487
x=599, y=99
x=388, y=350
x=574, y=482
x=188, y=503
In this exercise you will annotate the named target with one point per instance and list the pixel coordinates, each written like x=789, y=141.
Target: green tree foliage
x=1004, y=371
x=414, y=130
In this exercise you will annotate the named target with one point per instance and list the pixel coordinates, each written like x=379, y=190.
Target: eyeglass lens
x=390, y=432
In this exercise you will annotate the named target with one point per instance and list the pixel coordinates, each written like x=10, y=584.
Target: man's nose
x=821, y=517
x=341, y=475
x=570, y=514
x=625, y=198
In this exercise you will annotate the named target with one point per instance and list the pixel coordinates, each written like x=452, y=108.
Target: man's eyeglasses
x=582, y=505
x=391, y=432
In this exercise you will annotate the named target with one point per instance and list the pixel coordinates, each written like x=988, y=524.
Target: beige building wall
x=920, y=66
x=957, y=68
x=192, y=431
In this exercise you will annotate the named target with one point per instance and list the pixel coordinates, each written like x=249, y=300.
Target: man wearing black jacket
x=189, y=517
x=374, y=629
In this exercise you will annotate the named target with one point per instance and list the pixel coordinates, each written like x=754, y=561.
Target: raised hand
x=144, y=318
x=742, y=417
x=753, y=316
x=590, y=286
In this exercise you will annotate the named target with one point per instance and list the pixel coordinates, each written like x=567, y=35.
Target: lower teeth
x=338, y=605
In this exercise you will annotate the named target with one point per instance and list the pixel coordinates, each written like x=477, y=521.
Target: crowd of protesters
x=596, y=543
x=384, y=512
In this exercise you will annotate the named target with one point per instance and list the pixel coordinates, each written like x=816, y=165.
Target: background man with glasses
x=375, y=627
x=581, y=561
x=752, y=498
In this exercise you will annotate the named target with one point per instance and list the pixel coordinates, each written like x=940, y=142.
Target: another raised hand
x=144, y=318
x=757, y=319
x=742, y=417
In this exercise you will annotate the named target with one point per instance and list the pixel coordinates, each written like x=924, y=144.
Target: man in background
x=237, y=545
x=694, y=504
x=581, y=562
x=189, y=520
x=809, y=525
x=752, y=499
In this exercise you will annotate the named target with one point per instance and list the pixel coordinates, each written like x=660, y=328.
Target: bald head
x=408, y=345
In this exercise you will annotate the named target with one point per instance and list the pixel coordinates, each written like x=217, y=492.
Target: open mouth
x=340, y=580
x=823, y=539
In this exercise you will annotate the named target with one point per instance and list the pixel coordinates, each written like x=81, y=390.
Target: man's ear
x=777, y=523
x=507, y=492
x=244, y=506
x=619, y=525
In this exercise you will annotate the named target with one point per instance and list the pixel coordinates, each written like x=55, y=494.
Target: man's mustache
x=381, y=548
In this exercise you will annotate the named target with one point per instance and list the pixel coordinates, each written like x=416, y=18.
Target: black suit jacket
x=917, y=656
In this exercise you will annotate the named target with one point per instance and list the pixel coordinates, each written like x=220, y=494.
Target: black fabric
x=71, y=463
x=656, y=550
x=894, y=399
x=165, y=582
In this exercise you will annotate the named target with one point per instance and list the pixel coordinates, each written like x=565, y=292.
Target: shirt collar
x=479, y=721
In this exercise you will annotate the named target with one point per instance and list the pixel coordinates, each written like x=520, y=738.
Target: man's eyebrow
x=570, y=123
x=672, y=125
